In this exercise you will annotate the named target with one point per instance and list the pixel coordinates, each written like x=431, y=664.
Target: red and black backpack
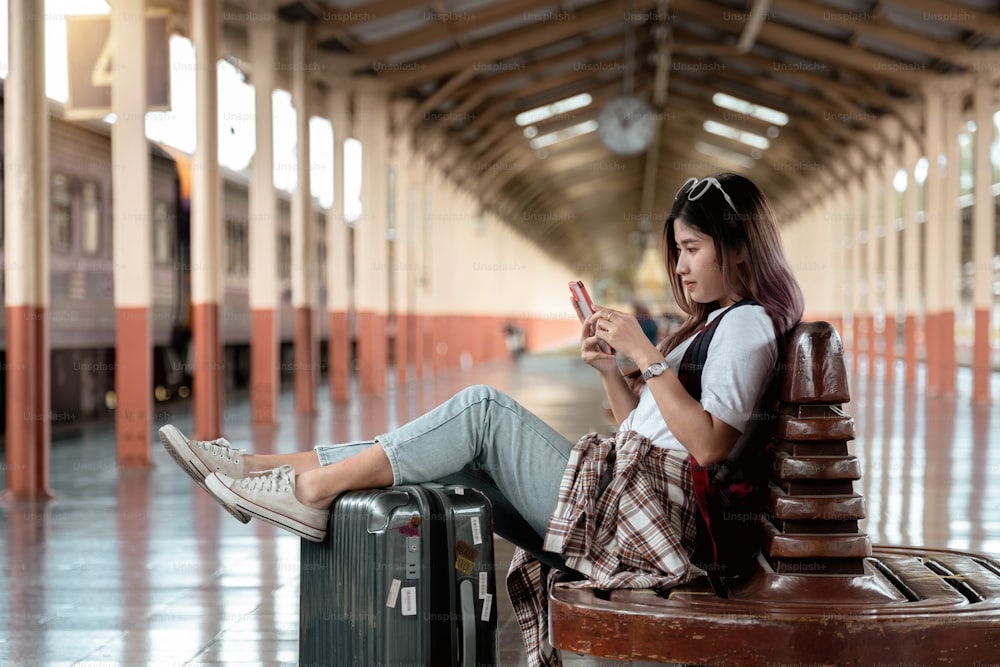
x=731, y=494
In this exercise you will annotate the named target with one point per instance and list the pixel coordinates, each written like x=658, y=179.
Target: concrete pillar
x=26, y=255
x=857, y=274
x=934, y=262
x=890, y=254
x=401, y=162
x=838, y=282
x=338, y=253
x=873, y=269
x=371, y=283
x=420, y=217
x=983, y=241
x=912, y=264
x=265, y=383
x=303, y=233
x=132, y=236
x=206, y=227
x=951, y=246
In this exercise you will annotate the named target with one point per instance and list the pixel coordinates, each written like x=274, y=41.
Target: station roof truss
x=842, y=71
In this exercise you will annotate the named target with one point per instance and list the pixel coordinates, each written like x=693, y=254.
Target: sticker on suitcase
x=465, y=557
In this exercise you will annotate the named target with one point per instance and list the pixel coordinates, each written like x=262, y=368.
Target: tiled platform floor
x=138, y=567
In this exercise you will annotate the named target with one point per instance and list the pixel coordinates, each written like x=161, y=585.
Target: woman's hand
x=622, y=332
x=591, y=352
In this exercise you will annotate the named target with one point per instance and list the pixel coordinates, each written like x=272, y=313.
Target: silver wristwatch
x=654, y=370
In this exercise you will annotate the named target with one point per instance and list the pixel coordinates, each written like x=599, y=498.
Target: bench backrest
x=815, y=512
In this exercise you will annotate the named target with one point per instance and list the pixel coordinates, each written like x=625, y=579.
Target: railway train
x=81, y=310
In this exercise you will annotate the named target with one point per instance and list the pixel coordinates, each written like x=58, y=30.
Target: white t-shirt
x=740, y=364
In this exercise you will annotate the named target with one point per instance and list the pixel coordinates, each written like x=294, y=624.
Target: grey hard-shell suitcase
x=404, y=577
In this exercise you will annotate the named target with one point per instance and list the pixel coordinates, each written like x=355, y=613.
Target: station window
x=163, y=232
x=62, y=213
x=91, y=219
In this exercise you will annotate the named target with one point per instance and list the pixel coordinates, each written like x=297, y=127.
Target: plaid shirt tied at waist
x=636, y=533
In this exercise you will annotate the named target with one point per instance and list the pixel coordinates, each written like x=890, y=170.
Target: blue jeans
x=483, y=439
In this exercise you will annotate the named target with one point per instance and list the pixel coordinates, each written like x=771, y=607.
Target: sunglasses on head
x=696, y=189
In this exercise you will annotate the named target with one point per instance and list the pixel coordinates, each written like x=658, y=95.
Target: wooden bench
x=821, y=594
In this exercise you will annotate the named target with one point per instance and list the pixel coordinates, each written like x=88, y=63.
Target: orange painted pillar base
x=932, y=338
x=419, y=346
x=940, y=334
x=401, y=355
x=305, y=363
x=981, y=361
x=910, y=338
x=372, y=351
x=872, y=342
x=889, y=341
x=339, y=351
x=29, y=440
x=207, y=371
x=438, y=347
x=133, y=387
x=264, y=387
x=946, y=324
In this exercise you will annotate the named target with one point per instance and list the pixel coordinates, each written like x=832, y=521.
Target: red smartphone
x=585, y=308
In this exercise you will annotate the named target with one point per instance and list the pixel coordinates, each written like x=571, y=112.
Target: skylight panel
x=730, y=132
x=538, y=114
x=563, y=134
x=766, y=114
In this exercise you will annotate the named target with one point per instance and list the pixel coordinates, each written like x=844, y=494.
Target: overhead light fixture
x=730, y=132
x=538, y=114
x=741, y=106
x=563, y=134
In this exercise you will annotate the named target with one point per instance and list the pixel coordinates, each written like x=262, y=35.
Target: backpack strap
x=693, y=361
x=689, y=373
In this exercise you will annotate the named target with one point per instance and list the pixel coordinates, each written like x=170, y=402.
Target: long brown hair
x=751, y=233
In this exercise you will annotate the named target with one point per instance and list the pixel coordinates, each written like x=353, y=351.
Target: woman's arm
x=705, y=436
x=620, y=395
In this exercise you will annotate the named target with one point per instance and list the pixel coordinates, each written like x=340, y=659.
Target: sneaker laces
x=273, y=481
x=220, y=448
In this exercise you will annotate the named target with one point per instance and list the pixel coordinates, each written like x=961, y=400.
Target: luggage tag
x=407, y=598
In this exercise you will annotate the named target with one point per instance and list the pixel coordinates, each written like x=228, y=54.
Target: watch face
x=654, y=370
x=626, y=125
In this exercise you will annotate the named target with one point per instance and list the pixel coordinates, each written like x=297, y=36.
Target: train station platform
x=138, y=567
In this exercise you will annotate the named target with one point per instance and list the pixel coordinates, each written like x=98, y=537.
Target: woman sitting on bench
x=618, y=509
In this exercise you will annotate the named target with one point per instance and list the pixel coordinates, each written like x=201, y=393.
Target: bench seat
x=820, y=594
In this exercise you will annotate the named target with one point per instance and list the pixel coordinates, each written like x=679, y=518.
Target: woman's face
x=698, y=265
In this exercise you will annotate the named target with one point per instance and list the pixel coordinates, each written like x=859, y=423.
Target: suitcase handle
x=467, y=601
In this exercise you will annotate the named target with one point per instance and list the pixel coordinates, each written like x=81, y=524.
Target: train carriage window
x=321, y=259
x=91, y=219
x=285, y=256
x=61, y=213
x=237, y=248
x=163, y=233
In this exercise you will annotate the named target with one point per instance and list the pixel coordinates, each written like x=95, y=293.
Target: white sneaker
x=200, y=458
x=270, y=496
